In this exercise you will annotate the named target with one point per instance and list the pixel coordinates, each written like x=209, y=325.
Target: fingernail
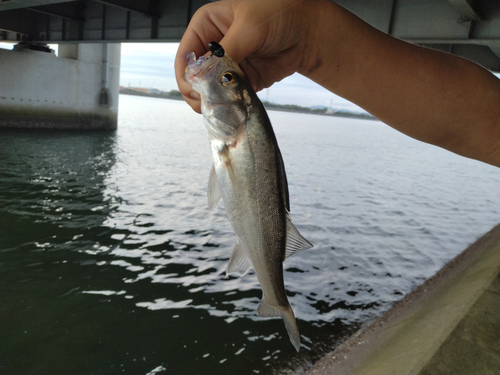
x=195, y=95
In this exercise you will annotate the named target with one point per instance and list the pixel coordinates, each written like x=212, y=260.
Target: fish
x=248, y=174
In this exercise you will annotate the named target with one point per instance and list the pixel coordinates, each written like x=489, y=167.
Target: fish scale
x=249, y=175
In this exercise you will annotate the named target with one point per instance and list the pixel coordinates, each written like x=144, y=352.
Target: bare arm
x=432, y=96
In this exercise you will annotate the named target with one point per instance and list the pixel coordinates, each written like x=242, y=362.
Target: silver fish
x=249, y=175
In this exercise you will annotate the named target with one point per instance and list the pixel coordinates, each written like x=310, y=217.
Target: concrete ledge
x=427, y=331
x=40, y=117
x=474, y=345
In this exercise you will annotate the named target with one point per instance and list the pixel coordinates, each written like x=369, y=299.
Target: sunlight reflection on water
x=112, y=259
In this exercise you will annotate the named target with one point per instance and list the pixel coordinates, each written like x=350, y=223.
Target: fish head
x=224, y=91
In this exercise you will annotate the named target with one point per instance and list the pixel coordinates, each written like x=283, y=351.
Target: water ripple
x=111, y=258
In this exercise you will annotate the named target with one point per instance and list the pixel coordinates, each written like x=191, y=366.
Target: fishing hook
x=216, y=50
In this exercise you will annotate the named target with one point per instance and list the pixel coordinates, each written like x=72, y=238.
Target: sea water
x=111, y=261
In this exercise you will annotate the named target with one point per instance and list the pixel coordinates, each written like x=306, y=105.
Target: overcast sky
x=151, y=65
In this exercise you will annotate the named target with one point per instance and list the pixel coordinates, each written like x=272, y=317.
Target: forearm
x=431, y=96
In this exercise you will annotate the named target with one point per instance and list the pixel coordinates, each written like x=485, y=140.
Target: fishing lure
x=216, y=49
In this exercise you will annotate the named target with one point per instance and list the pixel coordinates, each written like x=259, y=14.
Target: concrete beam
x=70, y=12
x=17, y=4
x=20, y=21
x=148, y=8
x=466, y=9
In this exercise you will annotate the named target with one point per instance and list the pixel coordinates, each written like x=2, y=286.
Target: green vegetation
x=293, y=107
x=172, y=94
x=175, y=93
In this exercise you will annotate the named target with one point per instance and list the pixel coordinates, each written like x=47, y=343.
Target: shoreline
x=443, y=326
x=268, y=107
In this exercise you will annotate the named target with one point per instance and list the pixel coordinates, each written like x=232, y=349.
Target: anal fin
x=294, y=240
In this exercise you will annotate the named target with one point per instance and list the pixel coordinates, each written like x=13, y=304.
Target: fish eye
x=229, y=78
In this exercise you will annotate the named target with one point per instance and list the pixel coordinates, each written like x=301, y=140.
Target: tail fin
x=288, y=318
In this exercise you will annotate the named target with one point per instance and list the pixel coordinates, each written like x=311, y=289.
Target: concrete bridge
x=79, y=88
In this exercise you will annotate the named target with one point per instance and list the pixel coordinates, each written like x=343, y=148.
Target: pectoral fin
x=294, y=240
x=213, y=192
x=239, y=264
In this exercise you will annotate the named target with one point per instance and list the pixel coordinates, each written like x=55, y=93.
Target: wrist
x=322, y=51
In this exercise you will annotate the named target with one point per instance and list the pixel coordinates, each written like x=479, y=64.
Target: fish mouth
x=203, y=68
x=207, y=70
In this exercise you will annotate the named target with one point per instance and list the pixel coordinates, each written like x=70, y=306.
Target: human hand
x=429, y=95
x=268, y=39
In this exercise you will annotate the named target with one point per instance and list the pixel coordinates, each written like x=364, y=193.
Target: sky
x=151, y=65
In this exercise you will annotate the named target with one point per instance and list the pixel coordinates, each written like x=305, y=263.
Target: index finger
x=201, y=30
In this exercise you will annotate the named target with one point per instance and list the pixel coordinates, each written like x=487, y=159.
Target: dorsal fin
x=283, y=180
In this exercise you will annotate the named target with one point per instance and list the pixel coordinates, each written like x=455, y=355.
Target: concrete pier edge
x=419, y=334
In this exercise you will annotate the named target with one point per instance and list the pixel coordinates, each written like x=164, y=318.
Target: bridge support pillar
x=77, y=90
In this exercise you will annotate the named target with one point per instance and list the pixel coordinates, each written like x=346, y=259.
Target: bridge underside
x=464, y=27
x=79, y=88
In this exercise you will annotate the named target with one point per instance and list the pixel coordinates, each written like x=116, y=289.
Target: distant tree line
x=294, y=107
x=316, y=111
x=172, y=94
x=175, y=93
